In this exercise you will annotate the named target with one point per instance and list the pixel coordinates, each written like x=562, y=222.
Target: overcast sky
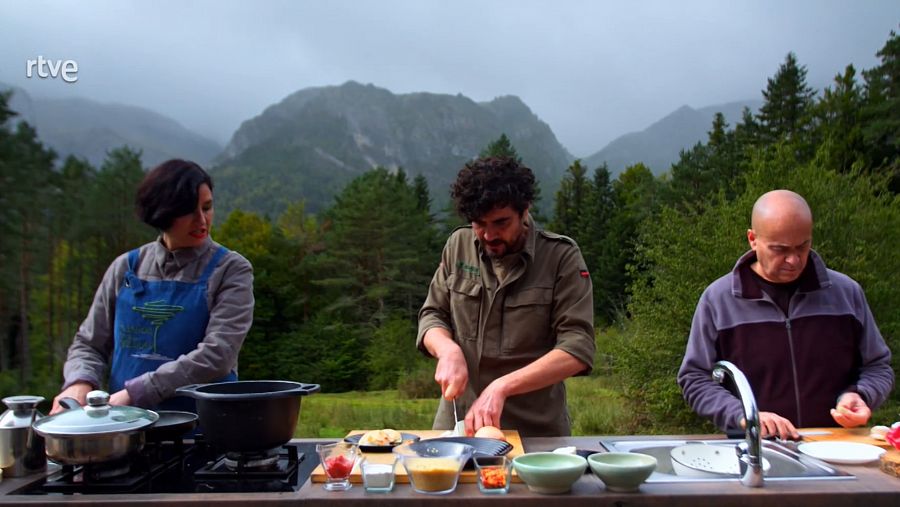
x=593, y=70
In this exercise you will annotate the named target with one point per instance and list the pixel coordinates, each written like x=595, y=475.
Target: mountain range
x=89, y=129
x=314, y=141
x=658, y=146
x=310, y=144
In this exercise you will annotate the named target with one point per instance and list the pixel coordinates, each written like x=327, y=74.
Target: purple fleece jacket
x=797, y=364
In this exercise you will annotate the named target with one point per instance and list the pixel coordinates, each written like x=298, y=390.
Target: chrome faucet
x=750, y=451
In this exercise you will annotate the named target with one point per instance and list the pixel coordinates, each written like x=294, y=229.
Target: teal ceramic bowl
x=549, y=473
x=622, y=471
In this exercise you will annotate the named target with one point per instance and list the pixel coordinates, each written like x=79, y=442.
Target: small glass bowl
x=337, y=461
x=379, y=476
x=493, y=474
x=433, y=467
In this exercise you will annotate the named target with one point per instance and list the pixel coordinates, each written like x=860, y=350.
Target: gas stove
x=184, y=467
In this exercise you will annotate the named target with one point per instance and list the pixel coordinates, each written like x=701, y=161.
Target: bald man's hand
x=851, y=411
x=773, y=425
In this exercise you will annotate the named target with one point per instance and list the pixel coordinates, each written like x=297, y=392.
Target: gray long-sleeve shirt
x=230, y=303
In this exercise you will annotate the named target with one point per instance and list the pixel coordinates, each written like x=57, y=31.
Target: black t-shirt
x=781, y=293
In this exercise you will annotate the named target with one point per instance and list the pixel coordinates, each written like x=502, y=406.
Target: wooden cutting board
x=858, y=435
x=890, y=463
x=467, y=476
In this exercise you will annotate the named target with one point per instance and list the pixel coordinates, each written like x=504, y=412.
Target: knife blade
x=455, y=420
x=812, y=433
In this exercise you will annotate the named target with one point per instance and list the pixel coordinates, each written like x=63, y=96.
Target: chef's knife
x=459, y=427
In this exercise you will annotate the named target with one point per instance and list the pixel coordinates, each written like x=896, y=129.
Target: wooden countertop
x=870, y=488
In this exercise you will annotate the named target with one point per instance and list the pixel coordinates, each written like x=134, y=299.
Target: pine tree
x=881, y=111
x=502, y=147
x=788, y=101
x=69, y=289
x=599, y=248
x=377, y=256
x=112, y=218
x=571, y=199
x=838, y=127
x=704, y=170
x=26, y=171
x=635, y=193
x=718, y=136
x=423, y=195
x=748, y=132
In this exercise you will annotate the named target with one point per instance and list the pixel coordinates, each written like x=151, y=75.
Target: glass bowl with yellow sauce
x=433, y=467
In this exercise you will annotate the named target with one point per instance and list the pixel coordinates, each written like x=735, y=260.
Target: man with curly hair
x=509, y=312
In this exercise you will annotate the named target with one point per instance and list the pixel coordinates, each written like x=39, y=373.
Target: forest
x=337, y=293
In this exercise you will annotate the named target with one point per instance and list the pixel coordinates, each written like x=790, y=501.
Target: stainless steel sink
x=787, y=464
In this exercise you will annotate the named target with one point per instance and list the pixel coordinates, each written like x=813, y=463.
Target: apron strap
x=131, y=280
x=213, y=263
x=132, y=259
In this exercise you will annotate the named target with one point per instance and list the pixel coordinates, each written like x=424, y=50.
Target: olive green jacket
x=545, y=302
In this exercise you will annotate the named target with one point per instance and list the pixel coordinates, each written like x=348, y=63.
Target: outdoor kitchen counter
x=871, y=488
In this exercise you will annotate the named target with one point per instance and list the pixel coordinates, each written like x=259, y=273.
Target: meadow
x=596, y=407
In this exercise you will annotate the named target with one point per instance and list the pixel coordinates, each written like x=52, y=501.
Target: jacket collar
x=814, y=276
x=182, y=257
x=531, y=240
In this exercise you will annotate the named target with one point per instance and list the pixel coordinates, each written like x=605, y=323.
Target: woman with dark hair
x=170, y=313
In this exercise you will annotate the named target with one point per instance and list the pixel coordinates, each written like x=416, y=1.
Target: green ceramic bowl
x=622, y=471
x=549, y=473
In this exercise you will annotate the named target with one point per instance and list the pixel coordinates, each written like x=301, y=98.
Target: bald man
x=802, y=334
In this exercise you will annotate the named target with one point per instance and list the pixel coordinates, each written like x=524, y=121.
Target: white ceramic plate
x=844, y=453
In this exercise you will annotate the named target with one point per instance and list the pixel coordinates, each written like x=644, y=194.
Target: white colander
x=701, y=460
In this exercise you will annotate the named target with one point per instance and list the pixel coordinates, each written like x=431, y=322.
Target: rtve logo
x=67, y=69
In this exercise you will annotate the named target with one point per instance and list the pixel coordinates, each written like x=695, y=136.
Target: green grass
x=334, y=415
x=597, y=404
x=887, y=414
x=596, y=407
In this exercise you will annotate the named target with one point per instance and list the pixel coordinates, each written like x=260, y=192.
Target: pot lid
x=97, y=417
x=22, y=411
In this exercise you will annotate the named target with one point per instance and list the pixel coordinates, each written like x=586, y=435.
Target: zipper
x=787, y=324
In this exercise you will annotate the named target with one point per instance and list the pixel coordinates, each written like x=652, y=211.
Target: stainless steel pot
x=21, y=450
x=95, y=433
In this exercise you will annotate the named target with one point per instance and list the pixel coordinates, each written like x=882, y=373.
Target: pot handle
x=69, y=403
x=189, y=390
x=300, y=390
x=305, y=389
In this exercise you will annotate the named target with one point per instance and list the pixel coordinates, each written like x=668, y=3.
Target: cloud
x=592, y=70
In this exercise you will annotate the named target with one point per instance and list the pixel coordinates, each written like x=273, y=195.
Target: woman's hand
x=78, y=391
x=120, y=398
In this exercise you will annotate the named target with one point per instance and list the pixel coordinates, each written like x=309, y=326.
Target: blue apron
x=157, y=322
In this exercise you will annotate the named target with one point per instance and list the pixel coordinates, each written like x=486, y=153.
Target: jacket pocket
x=465, y=306
x=526, y=321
